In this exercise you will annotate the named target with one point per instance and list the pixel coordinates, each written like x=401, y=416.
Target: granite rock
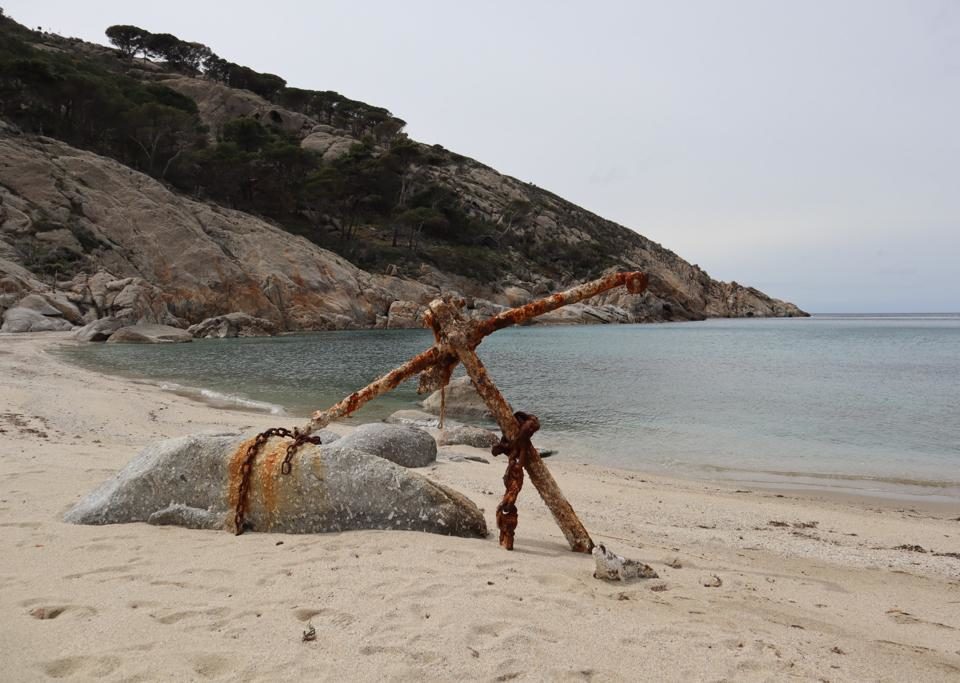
x=188, y=482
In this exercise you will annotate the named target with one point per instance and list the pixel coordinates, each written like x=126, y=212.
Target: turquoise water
x=861, y=402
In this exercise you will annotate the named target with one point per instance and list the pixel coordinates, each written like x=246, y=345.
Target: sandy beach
x=810, y=588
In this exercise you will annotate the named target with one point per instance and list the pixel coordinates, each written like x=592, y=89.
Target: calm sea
x=861, y=402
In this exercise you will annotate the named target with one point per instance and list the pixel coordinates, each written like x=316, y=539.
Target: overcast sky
x=811, y=149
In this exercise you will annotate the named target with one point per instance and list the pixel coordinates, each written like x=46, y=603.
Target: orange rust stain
x=233, y=472
x=268, y=473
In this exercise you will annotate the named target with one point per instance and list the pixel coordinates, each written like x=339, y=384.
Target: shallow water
x=867, y=403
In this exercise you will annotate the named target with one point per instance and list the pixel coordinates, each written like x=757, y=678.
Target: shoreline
x=936, y=495
x=810, y=588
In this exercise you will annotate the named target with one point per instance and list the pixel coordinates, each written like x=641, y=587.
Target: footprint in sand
x=83, y=666
x=21, y=525
x=211, y=665
x=326, y=615
x=102, y=570
x=902, y=617
x=54, y=611
x=175, y=617
x=53, y=608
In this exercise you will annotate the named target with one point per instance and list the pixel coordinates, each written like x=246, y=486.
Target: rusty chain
x=516, y=451
x=246, y=469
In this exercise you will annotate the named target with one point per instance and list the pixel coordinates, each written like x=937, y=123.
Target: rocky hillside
x=306, y=209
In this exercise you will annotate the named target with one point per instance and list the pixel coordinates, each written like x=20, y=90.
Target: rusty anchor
x=456, y=340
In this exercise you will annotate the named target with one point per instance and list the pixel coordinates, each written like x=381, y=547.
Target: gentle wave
x=219, y=399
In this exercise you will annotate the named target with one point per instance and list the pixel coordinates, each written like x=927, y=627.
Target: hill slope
x=219, y=199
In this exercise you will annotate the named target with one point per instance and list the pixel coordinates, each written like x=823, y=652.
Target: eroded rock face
x=328, y=142
x=462, y=401
x=405, y=315
x=219, y=104
x=195, y=261
x=199, y=260
x=402, y=444
x=232, y=325
x=192, y=481
x=149, y=334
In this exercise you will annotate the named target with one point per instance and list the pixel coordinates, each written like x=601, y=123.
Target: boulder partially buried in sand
x=462, y=400
x=464, y=435
x=193, y=482
x=403, y=444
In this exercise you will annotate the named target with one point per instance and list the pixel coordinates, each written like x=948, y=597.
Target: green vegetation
x=379, y=205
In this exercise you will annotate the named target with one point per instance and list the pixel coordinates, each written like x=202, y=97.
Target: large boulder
x=39, y=303
x=465, y=435
x=99, y=330
x=462, y=401
x=402, y=444
x=193, y=481
x=405, y=315
x=328, y=142
x=52, y=305
x=149, y=334
x=233, y=325
x=481, y=309
x=19, y=319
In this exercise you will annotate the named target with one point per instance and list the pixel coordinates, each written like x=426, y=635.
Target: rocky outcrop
x=192, y=482
x=328, y=142
x=462, y=400
x=583, y=314
x=149, y=334
x=402, y=444
x=232, y=325
x=146, y=254
x=405, y=315
x=218, y=104
x=678, y=290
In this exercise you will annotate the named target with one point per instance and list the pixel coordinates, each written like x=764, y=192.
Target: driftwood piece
x=456, y=342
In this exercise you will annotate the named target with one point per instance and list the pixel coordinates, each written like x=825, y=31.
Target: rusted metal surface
x=245, y=469
x=459, y=334
x=382, y=385
x=517, y=452
x=456, y=340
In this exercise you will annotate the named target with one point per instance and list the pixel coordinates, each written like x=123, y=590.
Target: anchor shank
x=458, y=335
x=382, y=385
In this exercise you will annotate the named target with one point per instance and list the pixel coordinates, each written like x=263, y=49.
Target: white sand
x=136, y=602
